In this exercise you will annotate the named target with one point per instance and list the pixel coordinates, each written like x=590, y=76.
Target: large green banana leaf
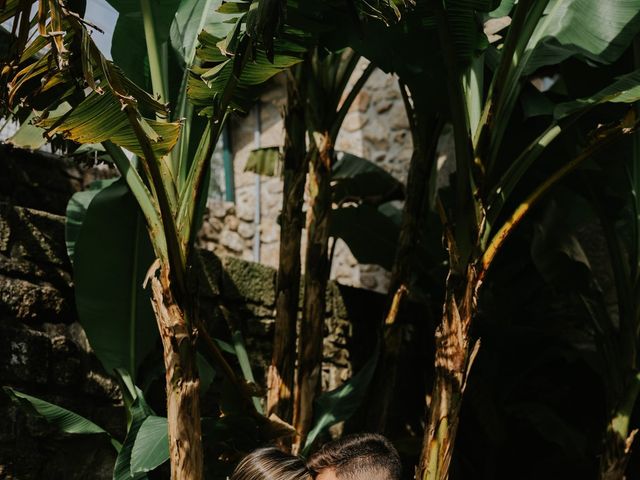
x=210, y=81
x=112, y=256
x=45, y=76
x=192, y=16
x=128, y=46
x=77, y=211
x=371, y=233
x=357, y=179
x=595, y=31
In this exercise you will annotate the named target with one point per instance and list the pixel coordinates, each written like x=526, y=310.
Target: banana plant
x=421, y=83
x=489, y=199
x=222, y=68
x=223, y=56
x=609, y=201
x=487, y=206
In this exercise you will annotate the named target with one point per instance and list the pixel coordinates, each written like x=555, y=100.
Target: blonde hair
x=271, y=464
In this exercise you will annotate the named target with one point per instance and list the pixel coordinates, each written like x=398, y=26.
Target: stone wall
x=43, y=349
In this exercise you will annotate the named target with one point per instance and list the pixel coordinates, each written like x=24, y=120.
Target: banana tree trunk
x=618, y=439
x=182, y=381
x=316, y=277
x=454, y=357
x=613, y=463
x=280, y=377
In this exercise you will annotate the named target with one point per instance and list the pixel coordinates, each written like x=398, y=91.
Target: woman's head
x=270, y=464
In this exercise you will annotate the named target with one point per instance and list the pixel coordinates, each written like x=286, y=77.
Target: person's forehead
x=327, y=474
x=330, y=474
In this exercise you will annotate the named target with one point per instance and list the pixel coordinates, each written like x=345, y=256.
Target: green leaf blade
x=112, y=254
x=151, y=446
x=65, y=420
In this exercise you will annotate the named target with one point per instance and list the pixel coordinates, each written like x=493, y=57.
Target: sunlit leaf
x=593, y=30
x=626, y=89
x=100, y=117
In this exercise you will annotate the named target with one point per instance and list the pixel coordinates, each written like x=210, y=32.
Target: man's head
x=364, y=456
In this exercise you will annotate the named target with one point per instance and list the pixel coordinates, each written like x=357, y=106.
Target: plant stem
x=346, y=105
x=618, y=438
x=158, y=76
x=452, y=365
x=466, y=222
x=308, y=378
x=153, y=51
x=296, y=163
x=182, y=381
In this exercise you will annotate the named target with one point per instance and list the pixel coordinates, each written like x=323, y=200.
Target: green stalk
x=466, y=222
x=346, y=105
x=185, y=108
x=159, y=74
x=245, y=365
x=473, y=81
x=519, y=167
x=635, y=188
x=505, y=86
x=624, y=290
x=344, y=68
x=622, y=418
x=153, y=51
x=142, y=195
x=189, y=197
x=176, y=260
x=227, y=159
x=512, y=176
x=182, y=150
x=618, y=439
x=189, y=193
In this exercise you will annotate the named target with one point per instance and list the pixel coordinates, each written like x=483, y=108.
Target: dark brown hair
x=270, y=464
x=364, y=455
